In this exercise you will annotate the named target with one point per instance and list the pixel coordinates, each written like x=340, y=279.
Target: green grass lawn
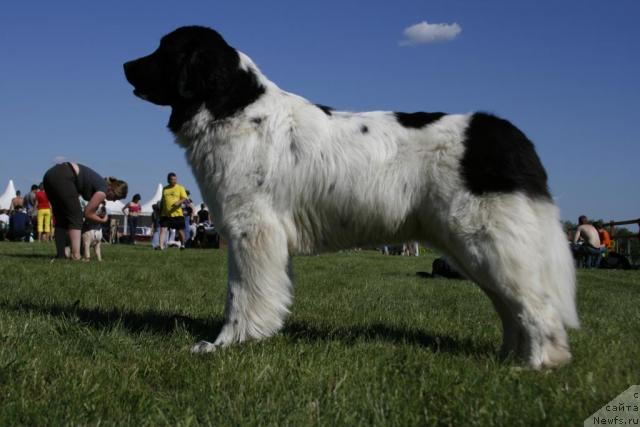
x=368, y=342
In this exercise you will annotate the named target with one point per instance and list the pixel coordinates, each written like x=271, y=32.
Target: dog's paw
x=203, y=347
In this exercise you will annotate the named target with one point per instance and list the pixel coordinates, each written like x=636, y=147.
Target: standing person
x=64, y=184
x=203, y=221
x=173, y=195
x=187, y=212
x=44, y=214
x=4, y=224
x=30, y=206
x=16, y=202
x=132, y=211
x=155, y=221
x=203, y=215
x=30, y=203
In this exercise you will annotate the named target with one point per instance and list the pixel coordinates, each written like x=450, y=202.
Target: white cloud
x=59, y=159
x=429, y=33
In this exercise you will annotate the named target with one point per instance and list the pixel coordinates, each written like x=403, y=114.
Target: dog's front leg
x=98, y=251
x=259, y=288
x=86, y=245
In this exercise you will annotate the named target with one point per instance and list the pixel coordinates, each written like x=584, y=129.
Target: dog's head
x=193, y=66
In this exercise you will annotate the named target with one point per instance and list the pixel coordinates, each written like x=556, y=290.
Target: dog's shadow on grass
x=351, y=335
x=30, y=256
x=163, y=323
x=134, y=321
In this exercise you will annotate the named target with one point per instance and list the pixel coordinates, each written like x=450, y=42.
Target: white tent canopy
x=9, y=193
x=147, y=208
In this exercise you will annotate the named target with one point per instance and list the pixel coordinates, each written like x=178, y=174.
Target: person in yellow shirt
x=173, y=195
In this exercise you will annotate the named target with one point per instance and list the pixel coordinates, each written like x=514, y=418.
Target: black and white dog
x=284, y=176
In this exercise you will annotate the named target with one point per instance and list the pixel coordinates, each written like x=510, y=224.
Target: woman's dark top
x=89, y=182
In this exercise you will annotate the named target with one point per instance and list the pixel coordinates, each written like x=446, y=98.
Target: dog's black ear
x=207, y=72
x=210, y=71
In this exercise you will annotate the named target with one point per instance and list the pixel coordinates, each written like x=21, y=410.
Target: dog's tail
x=558, y=269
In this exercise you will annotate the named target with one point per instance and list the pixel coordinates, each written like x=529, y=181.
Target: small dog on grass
x=283, y=176
x=92, y=237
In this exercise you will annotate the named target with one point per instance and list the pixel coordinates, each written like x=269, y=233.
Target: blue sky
x=566, y=72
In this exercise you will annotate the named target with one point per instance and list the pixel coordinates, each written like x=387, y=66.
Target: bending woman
x=64, y=184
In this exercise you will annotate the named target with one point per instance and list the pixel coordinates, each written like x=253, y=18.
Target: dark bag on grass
x=615, y=261
x=441, y=268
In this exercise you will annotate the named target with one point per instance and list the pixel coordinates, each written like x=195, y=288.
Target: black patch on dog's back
x=327, y=110
x=418, y=120
x=499, y=158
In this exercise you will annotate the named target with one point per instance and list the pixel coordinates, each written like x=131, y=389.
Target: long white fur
x=282, y=177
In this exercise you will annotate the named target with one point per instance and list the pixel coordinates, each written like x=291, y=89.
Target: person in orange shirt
x=605, y=237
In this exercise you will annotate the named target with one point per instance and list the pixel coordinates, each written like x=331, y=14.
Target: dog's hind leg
x=512, y=333
x=520, y=258
x=259, y=287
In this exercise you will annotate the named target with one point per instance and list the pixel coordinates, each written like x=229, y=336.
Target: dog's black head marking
x=194, y=66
